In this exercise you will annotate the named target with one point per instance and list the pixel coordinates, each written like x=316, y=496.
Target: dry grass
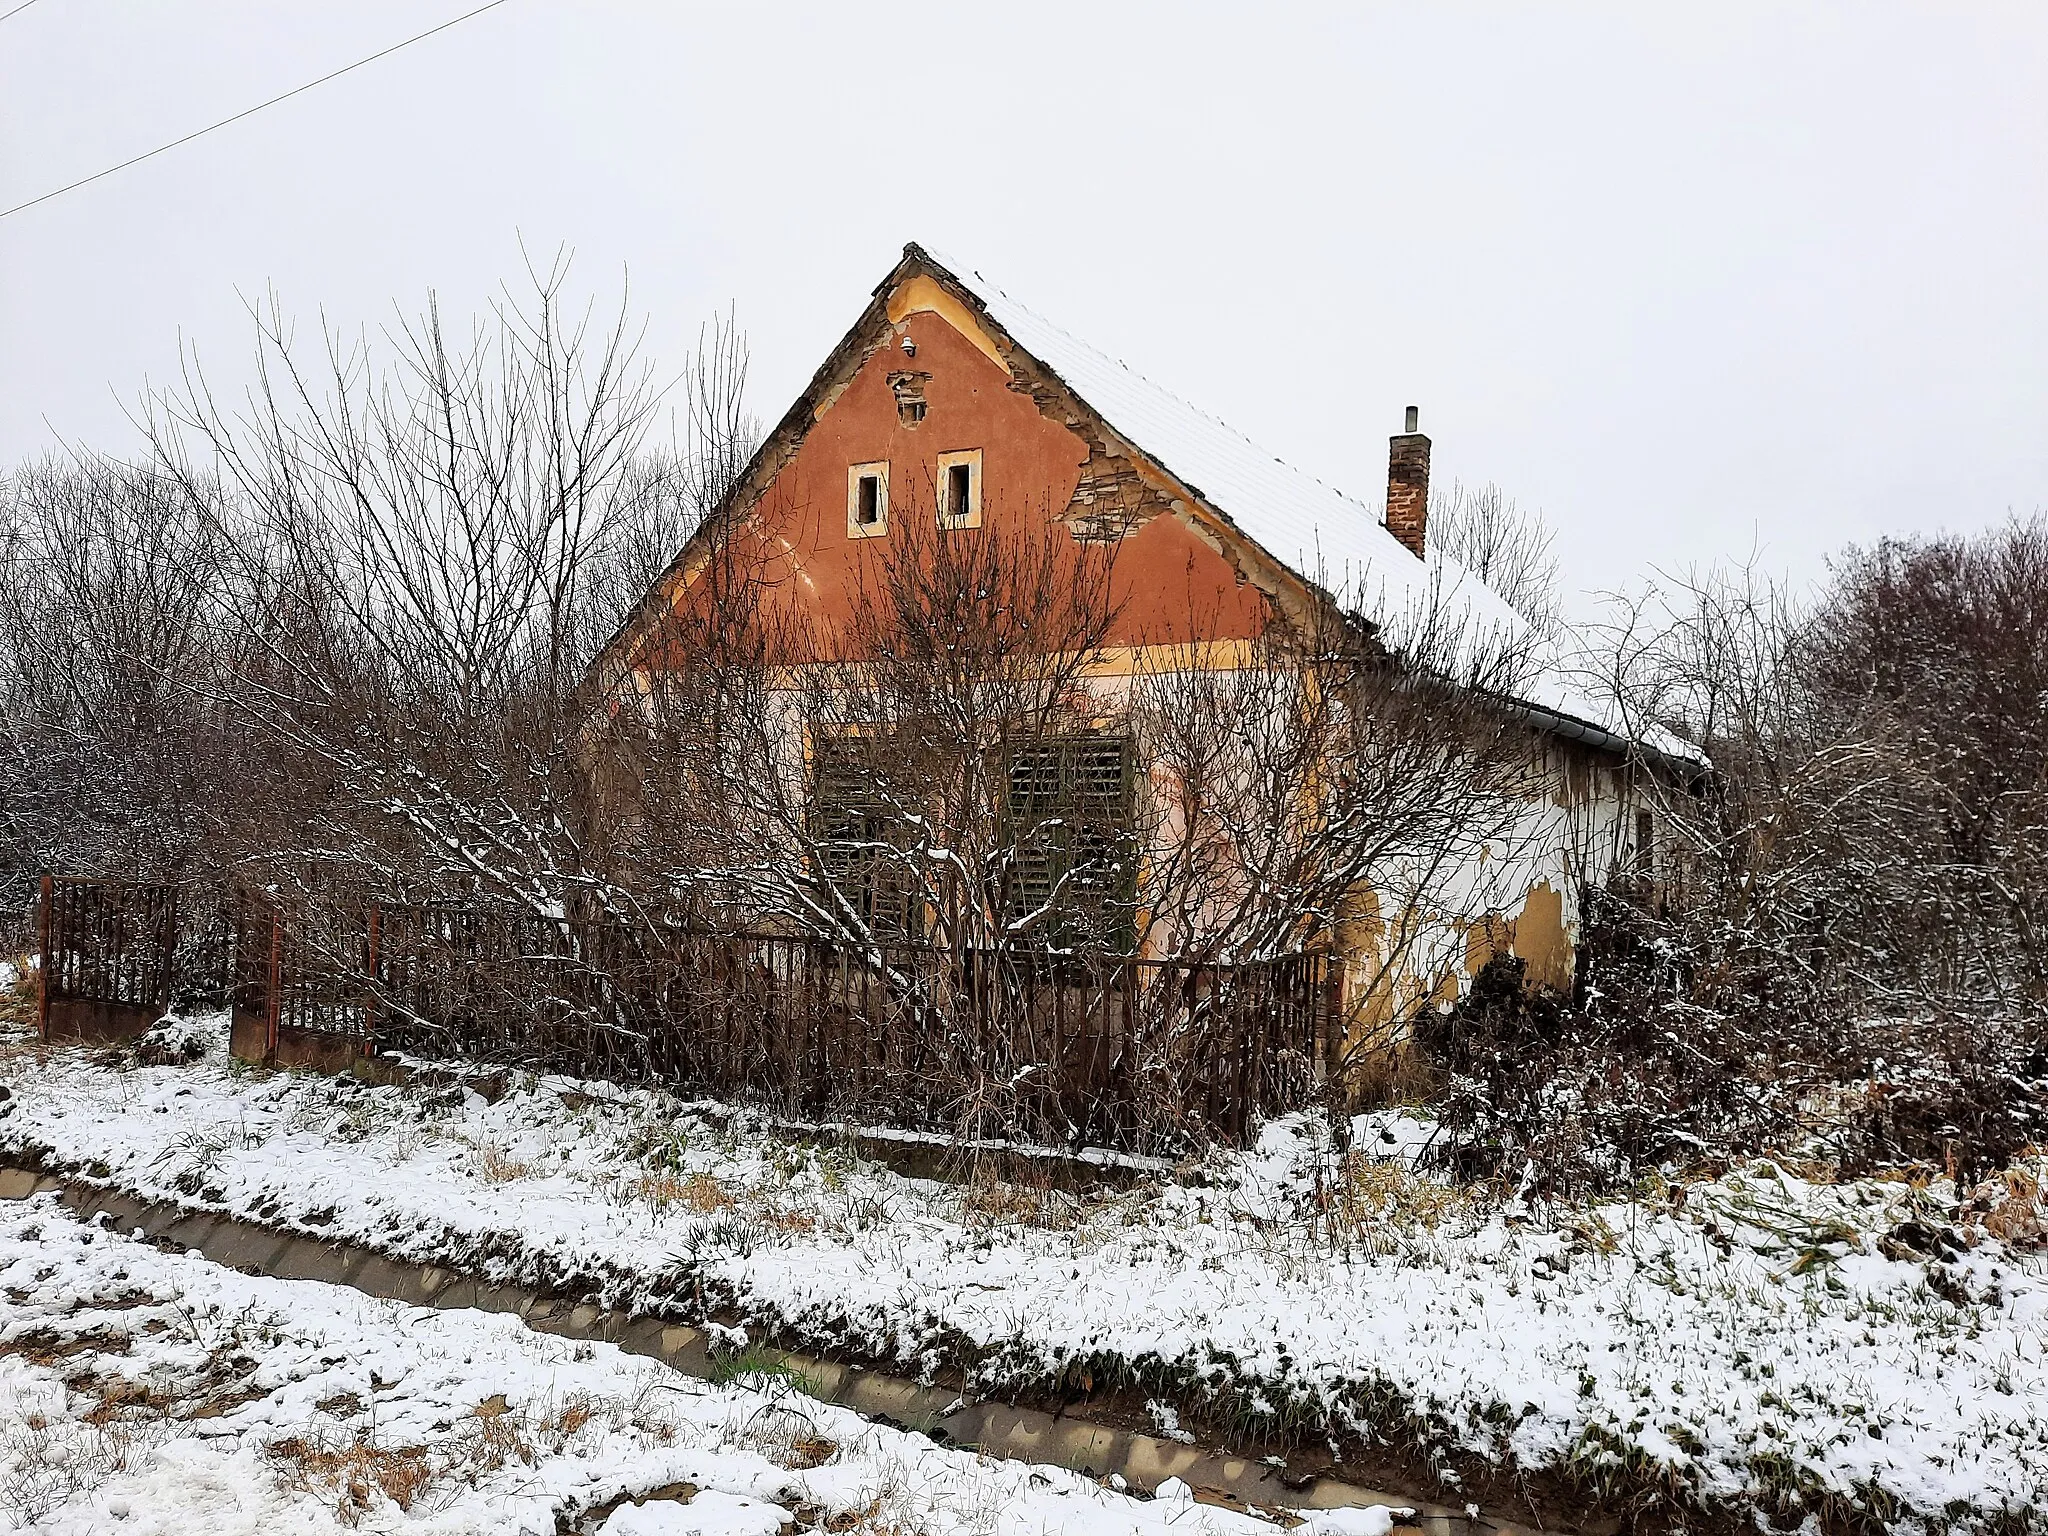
x=1385, y=1069
x=496, y=1165
x=18, y=998
x=49, y=1349
x=355, y=1474
x=1374, y=1202
x=991, y=1202
x=800, y=1223
x=48, y=1458
x=782, y=1428
x=872, y=1519
x=696, y=1192
x=702, y=1194
x=574, y=1415
x=2014, y=1204
x=45, y=1463
x=120, y=1399
x=360, y=1475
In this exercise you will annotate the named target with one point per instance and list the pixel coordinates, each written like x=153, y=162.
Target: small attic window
x=867, y=501
x=960, y=489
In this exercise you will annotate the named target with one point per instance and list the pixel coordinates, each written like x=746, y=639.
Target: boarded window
x=862, y=835
x=1067, y=809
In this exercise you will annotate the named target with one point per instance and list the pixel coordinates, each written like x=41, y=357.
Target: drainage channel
x=995, y=1429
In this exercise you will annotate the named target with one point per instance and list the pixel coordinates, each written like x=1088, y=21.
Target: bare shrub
x=1847, y=899
x=411, y=599
x=1545, y=1095
x=1965, y=1092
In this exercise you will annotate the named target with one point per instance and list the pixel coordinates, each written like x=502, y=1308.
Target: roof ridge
x=984, y=281
x=1303, y=521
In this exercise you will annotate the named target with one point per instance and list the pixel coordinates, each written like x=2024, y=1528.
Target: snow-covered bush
x=1555, y=1094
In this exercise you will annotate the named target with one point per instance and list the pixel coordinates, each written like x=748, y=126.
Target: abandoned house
x=952, y=418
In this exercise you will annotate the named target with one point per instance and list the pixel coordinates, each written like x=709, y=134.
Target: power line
x=17, y=10
x=247, y=112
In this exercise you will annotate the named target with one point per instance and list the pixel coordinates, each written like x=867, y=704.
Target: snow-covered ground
x=149, y=1392
x=1749, y=1338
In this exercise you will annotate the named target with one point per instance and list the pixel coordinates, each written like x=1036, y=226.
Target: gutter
x=1557, y=723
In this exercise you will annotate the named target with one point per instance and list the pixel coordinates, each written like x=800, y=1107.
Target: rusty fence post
x=49, y=892
x=370, y=1001
x=167, y=951
x=272, y=999
x=1331, y=1025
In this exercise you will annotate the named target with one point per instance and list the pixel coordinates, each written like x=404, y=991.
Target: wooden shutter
x=1068, y=807
x=859, y=834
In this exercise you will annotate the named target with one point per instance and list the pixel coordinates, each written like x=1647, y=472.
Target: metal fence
x=1138, y=1054
x=108, y=953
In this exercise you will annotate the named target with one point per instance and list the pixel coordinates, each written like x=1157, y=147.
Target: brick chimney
x=1408, y=486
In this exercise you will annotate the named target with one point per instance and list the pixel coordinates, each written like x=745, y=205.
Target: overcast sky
x=1688, y=279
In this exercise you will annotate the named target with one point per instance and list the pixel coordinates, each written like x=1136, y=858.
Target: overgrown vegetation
x=1835, y=947
x=1775, y=1337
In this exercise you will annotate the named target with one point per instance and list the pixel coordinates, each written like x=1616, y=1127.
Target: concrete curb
x=997, y=1429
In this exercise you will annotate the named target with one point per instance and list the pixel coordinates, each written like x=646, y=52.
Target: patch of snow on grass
x=1743, y=1337
x=142, y=1391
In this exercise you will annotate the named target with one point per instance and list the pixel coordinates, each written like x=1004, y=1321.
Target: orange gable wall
x=1170, y=585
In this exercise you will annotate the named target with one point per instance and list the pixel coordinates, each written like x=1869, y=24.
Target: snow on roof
x=1330, y=537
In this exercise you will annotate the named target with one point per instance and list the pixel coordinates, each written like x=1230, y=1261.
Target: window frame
x=970, y=460
x=855, y=473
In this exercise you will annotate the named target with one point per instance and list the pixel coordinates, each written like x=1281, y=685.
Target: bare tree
x=1505, y=545
x=672, y=488
x=108, y=576
x=956, y=765
x=1850, y=891
x=431, y=540
x=1315, y=770
x=1933, y=650
x=847, y=776
x=1801, y=798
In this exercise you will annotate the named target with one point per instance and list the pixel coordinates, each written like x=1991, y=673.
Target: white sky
x=1689, y=281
